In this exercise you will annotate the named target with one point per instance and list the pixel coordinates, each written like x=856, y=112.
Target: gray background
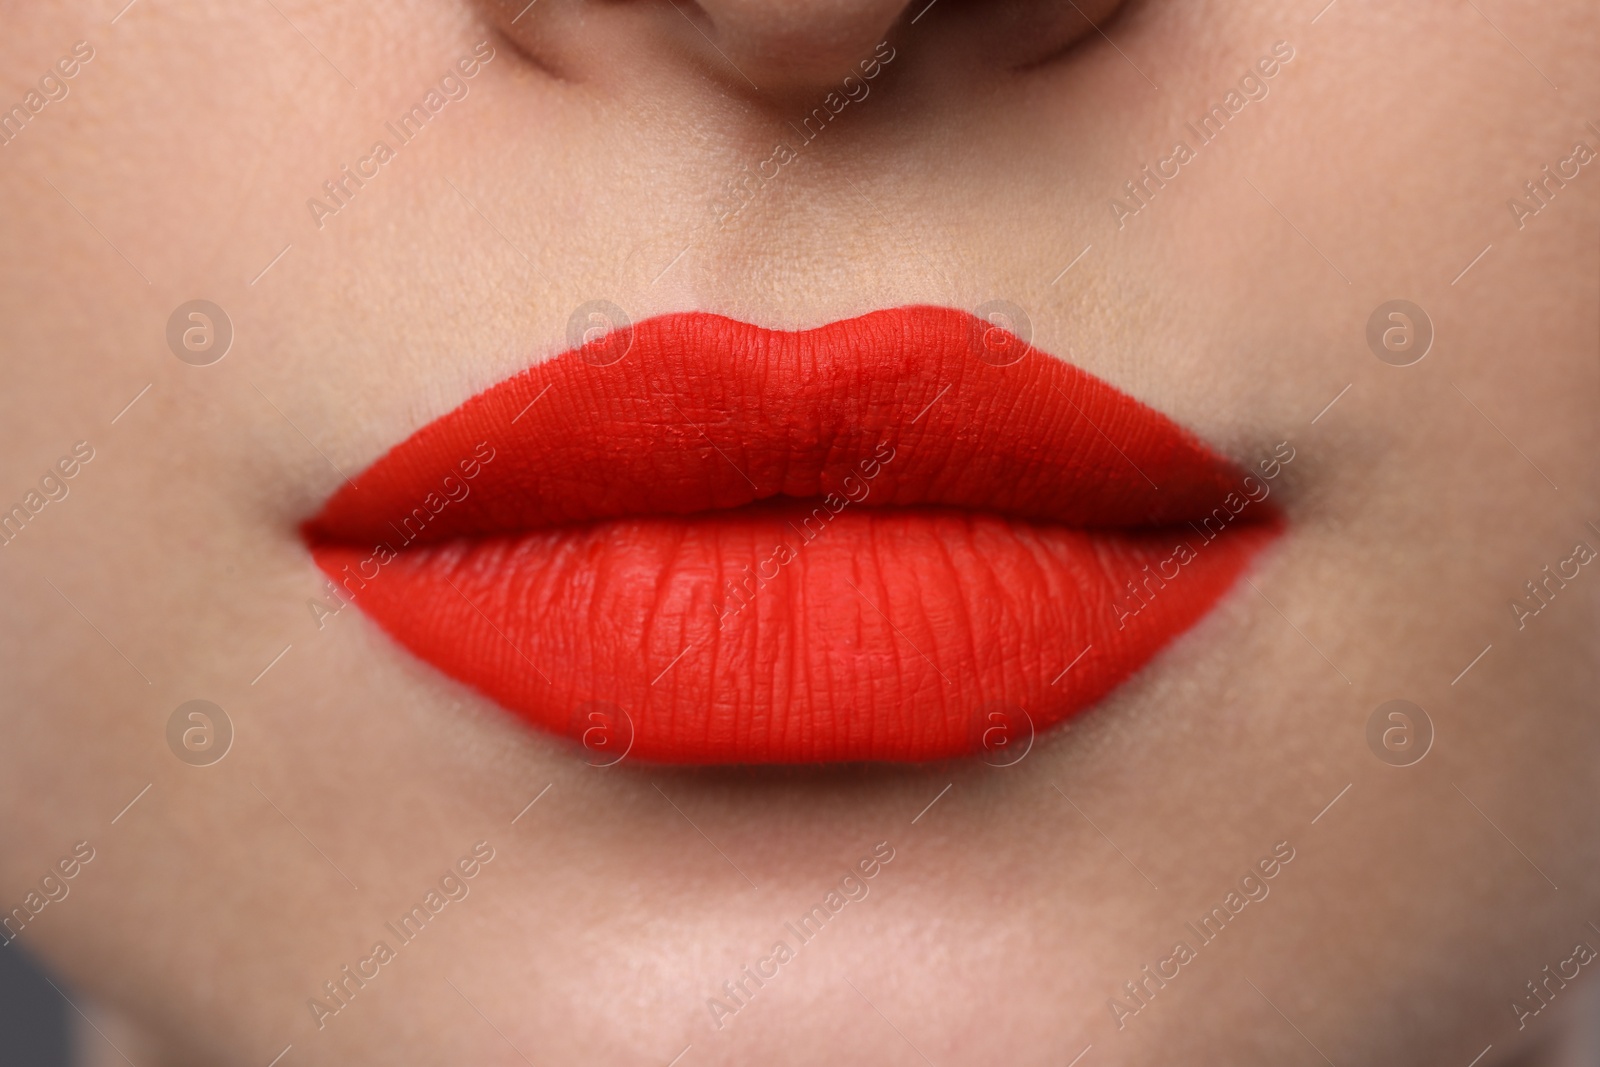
x=34, y=1028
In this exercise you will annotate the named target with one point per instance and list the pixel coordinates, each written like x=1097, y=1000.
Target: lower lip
x=782, y=631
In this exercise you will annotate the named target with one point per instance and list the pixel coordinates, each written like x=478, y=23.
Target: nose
x=776, y=49
x=793, y=45
x=771, y=48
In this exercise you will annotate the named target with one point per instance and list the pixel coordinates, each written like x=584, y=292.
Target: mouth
x=906, y=536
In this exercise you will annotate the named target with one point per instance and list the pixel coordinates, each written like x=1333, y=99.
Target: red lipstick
x=740, y=545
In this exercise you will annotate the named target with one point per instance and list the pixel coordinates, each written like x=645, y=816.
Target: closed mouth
x=700, y=541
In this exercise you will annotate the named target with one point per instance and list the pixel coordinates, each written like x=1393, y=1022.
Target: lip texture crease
x=696, y=540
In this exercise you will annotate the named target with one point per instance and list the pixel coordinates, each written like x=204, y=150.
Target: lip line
x=777, y=504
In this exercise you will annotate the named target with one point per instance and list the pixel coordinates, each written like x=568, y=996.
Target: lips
x=904, y=536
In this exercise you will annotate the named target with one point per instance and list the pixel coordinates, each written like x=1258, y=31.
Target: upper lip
x=653, y=435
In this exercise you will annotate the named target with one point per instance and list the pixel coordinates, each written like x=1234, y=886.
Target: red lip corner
x=739, y=545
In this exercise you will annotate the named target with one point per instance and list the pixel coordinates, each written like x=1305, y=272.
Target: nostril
x=1024, y=33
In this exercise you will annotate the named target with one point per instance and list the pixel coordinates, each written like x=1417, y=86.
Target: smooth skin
x=591, y=159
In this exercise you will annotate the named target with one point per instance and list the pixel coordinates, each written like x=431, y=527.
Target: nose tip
x=784, y=46
x=788, y=49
